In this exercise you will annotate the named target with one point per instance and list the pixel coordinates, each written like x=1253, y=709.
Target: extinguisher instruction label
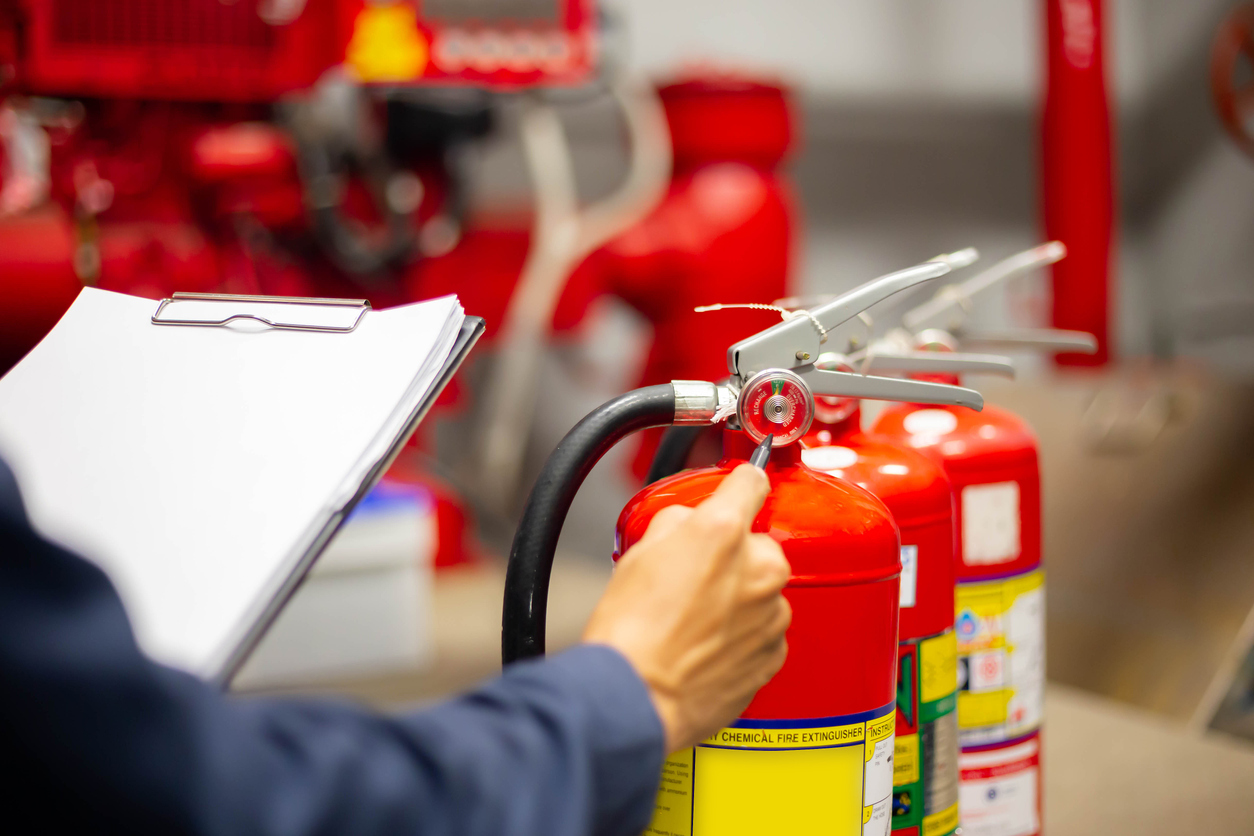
x=1000, y=627
x=828, y=775
x=925, y=763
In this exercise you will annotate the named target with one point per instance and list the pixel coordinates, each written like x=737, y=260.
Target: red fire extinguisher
x=814, y=750
x=917, y=492
x=991, y=461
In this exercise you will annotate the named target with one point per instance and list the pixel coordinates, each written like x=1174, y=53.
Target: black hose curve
x=673, y=451
x=531, y=556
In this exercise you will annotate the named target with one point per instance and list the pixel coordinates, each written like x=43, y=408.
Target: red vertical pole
x=1078, y=187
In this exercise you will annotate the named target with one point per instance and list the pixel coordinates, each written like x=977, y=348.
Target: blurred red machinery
x=158, y=145
x=724, y=232
x=289, y=147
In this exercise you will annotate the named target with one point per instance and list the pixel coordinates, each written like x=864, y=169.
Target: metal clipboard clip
x=333, y=316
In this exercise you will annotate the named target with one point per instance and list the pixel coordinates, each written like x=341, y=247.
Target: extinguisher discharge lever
x=794, y=343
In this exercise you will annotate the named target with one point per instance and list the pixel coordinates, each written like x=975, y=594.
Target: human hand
x=696, y=607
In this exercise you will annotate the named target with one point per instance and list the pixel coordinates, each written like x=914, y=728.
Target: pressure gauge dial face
x=775, y=402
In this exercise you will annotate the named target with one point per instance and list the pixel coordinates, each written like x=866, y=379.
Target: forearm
x=108, y=741
x=564, y=747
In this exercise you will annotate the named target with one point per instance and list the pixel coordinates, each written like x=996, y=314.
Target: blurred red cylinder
x=1077, y=188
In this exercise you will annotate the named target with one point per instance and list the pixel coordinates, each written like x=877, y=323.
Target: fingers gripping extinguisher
x=918, y=494
x=991, y=461
x=813, y=752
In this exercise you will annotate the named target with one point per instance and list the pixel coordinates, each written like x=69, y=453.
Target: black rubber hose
x=673, y=451
x=531, y=557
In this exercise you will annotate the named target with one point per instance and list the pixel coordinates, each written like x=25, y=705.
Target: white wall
x=913, y=48
x=955, y=50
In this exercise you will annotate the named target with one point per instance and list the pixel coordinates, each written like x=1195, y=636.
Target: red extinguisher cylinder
x=991, y=461
x=813, y=752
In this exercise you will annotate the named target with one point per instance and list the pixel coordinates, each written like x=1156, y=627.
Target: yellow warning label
x=750, y=781
x=938, y=667
x=742, y=792
x=941, y=823
x=906, y=760
x=387, y=44
x=982, y=709
x=1000, y=625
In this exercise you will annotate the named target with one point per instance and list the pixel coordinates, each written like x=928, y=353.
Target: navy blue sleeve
x=105, y=740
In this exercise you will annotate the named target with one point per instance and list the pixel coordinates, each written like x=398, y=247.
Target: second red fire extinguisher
x=813, y=753
x=991, y=460
x=917, y=492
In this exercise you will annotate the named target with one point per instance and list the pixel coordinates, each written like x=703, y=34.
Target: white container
x=365, y=607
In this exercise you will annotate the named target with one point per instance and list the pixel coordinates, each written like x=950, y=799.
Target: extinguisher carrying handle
x=795, y=342
x=525, y=612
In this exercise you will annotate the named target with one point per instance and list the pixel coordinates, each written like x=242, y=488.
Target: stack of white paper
x=202, y=466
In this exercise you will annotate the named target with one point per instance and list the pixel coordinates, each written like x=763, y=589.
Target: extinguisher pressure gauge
x=775, y=402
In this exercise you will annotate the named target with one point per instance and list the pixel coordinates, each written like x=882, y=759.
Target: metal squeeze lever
x=795, y=342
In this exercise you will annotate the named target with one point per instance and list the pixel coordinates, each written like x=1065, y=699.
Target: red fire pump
x=813, y=752
x=991, y=461
x=725, y=229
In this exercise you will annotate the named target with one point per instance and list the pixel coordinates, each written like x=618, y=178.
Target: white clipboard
x=206, y=468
